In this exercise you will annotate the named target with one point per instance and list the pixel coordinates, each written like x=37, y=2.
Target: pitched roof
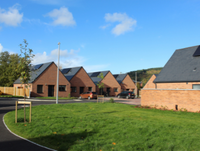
x=94, y=76
x=120, y=77
x=183, y=66
x=36, y=71
x=69, y=73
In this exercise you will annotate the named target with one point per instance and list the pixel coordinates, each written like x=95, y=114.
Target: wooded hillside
x=144, y=75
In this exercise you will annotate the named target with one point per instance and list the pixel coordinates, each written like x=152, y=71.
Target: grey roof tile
x=120, y=77
x=71, y=72
x=181, y=67
x=94, y=76
x=36, y=73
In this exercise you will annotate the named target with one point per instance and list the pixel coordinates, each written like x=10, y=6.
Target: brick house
x=79, y=79
x=43, y=81
x=125, y=81
x=111, y=86
x=177, y=86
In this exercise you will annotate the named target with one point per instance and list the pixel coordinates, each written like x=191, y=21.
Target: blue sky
x=115, y=35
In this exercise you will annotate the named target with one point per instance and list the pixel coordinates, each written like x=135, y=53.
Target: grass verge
x=10, y=96
x=108, y=126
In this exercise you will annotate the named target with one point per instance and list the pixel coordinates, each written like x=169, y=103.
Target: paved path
x=10, y=142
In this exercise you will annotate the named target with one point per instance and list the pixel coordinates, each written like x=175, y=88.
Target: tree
x=25, y=67
x=8, y=68
x=100, y=84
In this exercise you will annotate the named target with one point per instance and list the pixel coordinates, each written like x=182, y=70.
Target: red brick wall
x=110, y=82
x=150, y=84
x=185, y=99
x=127, y=84
x=81, y=79
x=182, y=85
x=49, y=77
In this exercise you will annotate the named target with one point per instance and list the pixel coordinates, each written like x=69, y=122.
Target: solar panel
x=197, y=52
x=36, y=67
x=115, y=76
x=65, y=71
x=95, y=74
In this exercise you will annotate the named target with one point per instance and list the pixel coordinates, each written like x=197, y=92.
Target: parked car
x=126, y=94
x=88, y=95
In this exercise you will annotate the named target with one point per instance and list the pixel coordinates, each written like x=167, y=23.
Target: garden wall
x=176, y=99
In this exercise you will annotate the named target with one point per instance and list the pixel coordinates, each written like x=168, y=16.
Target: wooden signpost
x=22, y=102
x=100, y=98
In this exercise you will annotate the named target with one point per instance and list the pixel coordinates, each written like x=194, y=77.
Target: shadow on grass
x=63, y=142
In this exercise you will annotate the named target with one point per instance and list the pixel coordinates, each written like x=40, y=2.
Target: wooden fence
x=15, y=91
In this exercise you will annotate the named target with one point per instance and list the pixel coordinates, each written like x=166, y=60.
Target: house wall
x=127, y=83
x=110, y=82
x=184, y=99
x=150, y=84
x=49, y=77
x=82, y=79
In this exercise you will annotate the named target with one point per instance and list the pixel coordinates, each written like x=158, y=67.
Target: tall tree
x=25, y=67
x=8, y=68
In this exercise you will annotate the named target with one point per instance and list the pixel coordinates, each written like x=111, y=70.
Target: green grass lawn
x=108, y=127
x=60, y=98
x=10, y=96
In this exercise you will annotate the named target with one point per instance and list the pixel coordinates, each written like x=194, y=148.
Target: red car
x=88, y=95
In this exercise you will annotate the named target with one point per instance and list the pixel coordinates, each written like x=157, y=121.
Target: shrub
x=111, y=100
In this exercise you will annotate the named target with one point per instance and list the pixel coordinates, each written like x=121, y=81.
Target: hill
x=144, y=75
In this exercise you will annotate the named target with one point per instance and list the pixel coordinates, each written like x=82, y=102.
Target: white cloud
x=95, y=68
x=62, y=17
x=12, y=17
x=1, y=48
x=126, y=23
x=67, y=58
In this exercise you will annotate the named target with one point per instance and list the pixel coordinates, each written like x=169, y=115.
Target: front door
x=81, y=90
x=108, y=91
x=50, y=90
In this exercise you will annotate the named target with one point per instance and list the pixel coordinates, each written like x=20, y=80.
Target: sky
x=116, y=35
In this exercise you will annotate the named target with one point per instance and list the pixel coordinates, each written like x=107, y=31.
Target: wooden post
x=16, y=111
x=23, y=102
x=30, y=113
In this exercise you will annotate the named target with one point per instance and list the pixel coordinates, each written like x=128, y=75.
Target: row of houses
x=74, y=81
x=177, y=86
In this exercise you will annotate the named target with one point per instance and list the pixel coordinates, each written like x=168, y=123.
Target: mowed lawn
x=108, y=127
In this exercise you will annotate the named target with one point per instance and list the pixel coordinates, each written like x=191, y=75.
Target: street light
x=58, y=73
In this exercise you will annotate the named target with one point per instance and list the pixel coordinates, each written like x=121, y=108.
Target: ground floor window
x=62, y=87
x=89, y=88
x=73, y=89
x=115, y=89
x=39, y=88
x=196, y=86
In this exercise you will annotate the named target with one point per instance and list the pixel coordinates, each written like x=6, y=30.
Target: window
x=196, y=86
x=62, y=87
x=115, y=89
x=89, y=88
x=39, y=88
x=73, y=89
